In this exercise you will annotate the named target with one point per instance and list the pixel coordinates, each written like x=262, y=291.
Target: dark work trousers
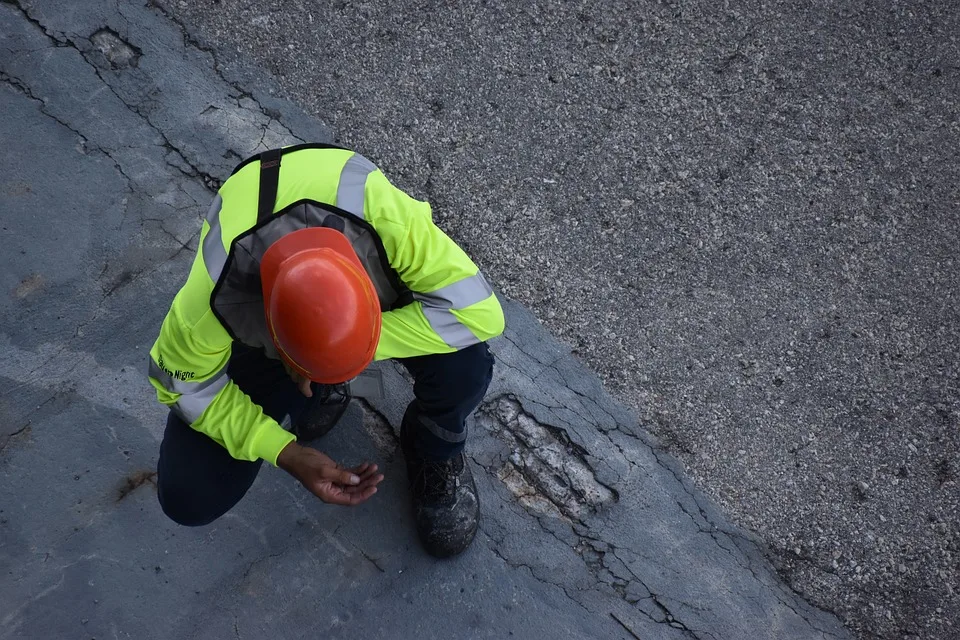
x=198, y=481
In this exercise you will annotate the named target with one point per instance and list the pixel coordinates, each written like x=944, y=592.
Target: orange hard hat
x=322, y=309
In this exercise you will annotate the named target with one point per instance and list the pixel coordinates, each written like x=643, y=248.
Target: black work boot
x=322, y=413
x=445, y=502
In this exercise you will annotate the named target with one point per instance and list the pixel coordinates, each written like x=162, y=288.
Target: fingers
x=346, y=487
x=346, y=499
x=364, y=470
x=330, y=471
x=357, y=498
x=360, y=496
x=304, y=385
x=341, y=499
x=372, y=481
x=368, y=475
x=346, y=477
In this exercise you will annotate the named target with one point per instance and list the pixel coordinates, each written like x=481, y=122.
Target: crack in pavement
x=729, y=541
x=63, y=40
x=545, y=460
x=533, y=574
x=10, y=436
x=378, y=427
x=594, y=567
x=582, y=405
x=581, y=397
x=66, y=42
x=12, y=621
x=777, y=586
x=24, y=89
x=241, y=93
x=370, y=559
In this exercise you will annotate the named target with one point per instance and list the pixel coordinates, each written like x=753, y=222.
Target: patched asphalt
x=742, y=216
x=760, y=262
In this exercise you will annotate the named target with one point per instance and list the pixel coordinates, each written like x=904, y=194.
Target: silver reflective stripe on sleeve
x=438, y=306
x=353, y=180
x=214, y=255
x=459, y=294
x=195, y=397
x=191, y=406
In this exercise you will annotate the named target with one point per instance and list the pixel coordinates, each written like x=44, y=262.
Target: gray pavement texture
x=742, y=215
x=743, y=218
x=116, y=127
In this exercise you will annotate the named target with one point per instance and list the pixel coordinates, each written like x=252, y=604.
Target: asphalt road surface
x=743, y=216
x=117, y=128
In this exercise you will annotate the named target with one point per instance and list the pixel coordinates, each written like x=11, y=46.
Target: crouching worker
x=310, y=266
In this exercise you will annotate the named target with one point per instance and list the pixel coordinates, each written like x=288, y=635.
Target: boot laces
x=441, y=479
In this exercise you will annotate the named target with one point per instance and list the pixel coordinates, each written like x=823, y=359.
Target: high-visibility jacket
x=433, y=297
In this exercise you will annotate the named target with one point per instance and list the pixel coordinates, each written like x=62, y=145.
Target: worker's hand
x=302, y=383
x=326, y=479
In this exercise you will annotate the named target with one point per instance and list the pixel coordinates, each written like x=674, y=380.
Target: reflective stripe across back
x=350, y=197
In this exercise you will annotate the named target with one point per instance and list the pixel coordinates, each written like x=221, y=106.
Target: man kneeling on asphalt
x=310, y=266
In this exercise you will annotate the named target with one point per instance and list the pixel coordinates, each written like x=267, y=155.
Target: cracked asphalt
x=799, y=359
x=112, y=139
x=742, y=216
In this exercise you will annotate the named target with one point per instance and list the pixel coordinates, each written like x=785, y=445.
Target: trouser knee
x=452, y=381
x=186, y=512
x=448, y=387
x=197, y=479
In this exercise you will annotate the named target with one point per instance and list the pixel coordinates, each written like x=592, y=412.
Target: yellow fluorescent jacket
x=451, y=306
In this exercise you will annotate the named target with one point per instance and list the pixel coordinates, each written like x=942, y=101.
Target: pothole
x=119, y=53
x=546, y=471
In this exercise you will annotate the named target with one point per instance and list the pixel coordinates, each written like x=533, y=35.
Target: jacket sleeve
x=189, y=372
x=454, y=306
